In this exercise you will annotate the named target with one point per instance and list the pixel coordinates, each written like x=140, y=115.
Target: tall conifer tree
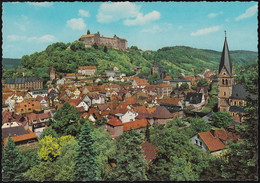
x=85, y=161
x=13, y=166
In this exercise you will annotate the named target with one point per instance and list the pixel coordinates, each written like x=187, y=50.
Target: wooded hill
x=65, y=58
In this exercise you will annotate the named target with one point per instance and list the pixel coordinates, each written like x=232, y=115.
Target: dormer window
x=224, y=73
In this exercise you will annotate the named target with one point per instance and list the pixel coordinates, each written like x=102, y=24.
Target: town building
x=24, y=83
x=52, y=74
x=115, y=42
x=231, y=97
x=87, y=70
x=157, y=69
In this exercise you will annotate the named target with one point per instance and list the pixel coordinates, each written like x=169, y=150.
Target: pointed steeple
x=225, y=59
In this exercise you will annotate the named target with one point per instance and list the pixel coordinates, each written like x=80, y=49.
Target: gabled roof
x=212, y=143
x=171, y=101
x=149, y=151
x=239, y=92
x=114, y=122
x=161, y=113
x=13, y=131
x=194, y=98
x=29, y=135
x=135, y=124
x=20, y=80
x=236, y=109
x=224, y=135
x=225, y=59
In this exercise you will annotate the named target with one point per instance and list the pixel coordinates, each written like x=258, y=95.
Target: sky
x=30, y=27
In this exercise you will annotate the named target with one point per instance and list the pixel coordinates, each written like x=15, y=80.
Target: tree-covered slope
x=9, y=63
x=65, y=58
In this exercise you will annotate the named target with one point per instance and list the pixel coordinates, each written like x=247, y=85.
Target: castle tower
x=52, y=74
x=225, y=79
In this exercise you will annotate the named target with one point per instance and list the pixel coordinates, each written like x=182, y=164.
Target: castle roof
x=88, y=35
x=225, y=59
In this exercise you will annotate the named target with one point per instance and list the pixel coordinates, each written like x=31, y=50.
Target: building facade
x=24, y=83
x=115, y=42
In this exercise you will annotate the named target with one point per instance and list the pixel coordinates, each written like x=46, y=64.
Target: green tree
x=221, y=119
x=131, y=164
x=65, y=121
x=242, y=157
x=66, y=162
x=66, y=139
x=181, y=170
x=105, y=49
x=30, y=158
x=45, y=171
x=86, y=167
x=147, y=133
x=12, y=167
x=48, y=132
x=95, y=46
x=198, y=125
x=105, y=148
x=184, y=87
x=201, y=82
x=88, y=32
x=48, y=149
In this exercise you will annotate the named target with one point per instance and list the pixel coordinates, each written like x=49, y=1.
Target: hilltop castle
x=115, y=42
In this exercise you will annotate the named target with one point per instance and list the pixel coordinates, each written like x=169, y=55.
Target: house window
x=200, y=143
x=224, y=93
x=224, y=73
x=226, y=82
x=235, y=103
x=32, y=104
x=223, y=82
x=196, y=141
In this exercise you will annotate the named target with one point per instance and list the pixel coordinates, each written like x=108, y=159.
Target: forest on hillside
x=65, y=58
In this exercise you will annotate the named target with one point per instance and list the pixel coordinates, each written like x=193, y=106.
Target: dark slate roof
x=20, y=80
x=171, y=108
x=34, y=92
x=236, y=109
x=225, y=59
x=239, y=92
x=194, y=98
x=13, y=131
x=161, y=113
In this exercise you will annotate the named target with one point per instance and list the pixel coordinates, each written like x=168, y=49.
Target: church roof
x=225, y=59
x=239, y=92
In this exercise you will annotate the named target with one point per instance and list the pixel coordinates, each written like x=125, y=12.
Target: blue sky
x=30, y=27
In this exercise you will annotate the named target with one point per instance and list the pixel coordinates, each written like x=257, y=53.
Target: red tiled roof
x=167, y=78
x=140, y=109
x=87, y=67
x=161, y=113
x=163, y=85
x=224, y=135
x=149, y=151
x=135, y=124
x=213, y=144
x=169, y=100
x=74, y=102
x=114, y=122
x=30, y=135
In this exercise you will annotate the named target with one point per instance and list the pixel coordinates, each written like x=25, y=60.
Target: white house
x=83, y=104
x=128, y=116
x=60, y=81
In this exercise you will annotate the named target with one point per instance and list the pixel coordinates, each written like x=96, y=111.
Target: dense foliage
x=131, y=164
x=86, y=165
x=12, y=167
x=221, y=119
x=65, y=58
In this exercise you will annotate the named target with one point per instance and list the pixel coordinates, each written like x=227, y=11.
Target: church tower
x=52, y=74
x=225, y=79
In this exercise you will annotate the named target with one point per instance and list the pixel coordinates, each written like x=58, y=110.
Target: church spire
x=225, y=58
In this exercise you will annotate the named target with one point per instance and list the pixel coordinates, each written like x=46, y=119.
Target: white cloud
x=141, y=20
x=180, y=27
x=158, y=28
x=227, y=19
x=76, y=24
x=84, y=13
x=111, y=12
x=249, y=12
x=43, y=39
x=212, y=15
x=205, y=31
x=41, y=4
x=22, y=22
